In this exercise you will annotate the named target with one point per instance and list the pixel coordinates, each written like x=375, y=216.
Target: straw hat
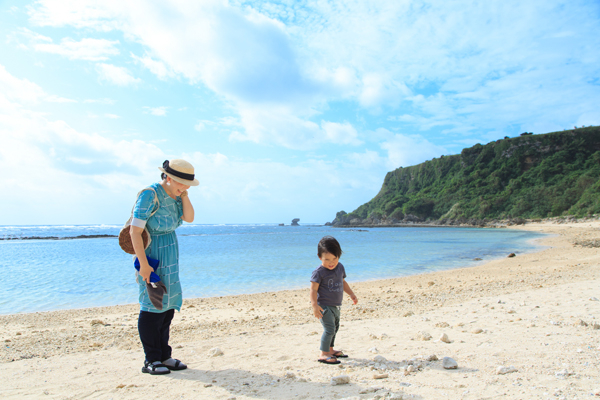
x=180, y=171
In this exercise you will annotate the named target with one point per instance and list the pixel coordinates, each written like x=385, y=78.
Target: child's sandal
x=339, y=354
x=326, y=360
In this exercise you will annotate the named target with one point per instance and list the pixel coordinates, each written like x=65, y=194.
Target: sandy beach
x=526, y=327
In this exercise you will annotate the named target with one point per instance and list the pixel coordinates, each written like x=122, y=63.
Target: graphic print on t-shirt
x=333, y=287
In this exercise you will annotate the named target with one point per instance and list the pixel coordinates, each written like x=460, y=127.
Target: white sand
x=534, y=312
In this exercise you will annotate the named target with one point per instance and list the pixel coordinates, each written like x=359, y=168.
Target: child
x=327, y=287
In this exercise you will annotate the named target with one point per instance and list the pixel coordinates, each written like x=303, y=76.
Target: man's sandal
x=155, y=368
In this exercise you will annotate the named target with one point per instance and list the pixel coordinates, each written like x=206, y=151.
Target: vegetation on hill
x=531, y=176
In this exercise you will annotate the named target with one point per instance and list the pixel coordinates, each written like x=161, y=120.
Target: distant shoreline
x=58, y=237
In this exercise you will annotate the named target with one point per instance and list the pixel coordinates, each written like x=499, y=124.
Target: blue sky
x=287, y=109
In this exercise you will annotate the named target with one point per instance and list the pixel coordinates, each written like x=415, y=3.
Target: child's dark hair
x=163, y=176
x=329, y=245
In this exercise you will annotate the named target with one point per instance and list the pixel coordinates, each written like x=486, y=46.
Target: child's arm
x=317, y=310
x=350, y=292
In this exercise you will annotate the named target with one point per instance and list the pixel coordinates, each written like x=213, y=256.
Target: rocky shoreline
x=413, y=221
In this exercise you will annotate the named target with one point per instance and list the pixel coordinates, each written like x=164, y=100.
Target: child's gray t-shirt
x=331, y=285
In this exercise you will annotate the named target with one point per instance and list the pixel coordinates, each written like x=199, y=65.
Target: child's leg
x=335, y=311
x=329, y=329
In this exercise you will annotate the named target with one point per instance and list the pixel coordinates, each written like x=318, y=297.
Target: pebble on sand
x=449, y=363
x=340, y=380
x=425, y=336
x=380, y=376
x=501, y=370
x=215, y=352
x=563, y=373
x=379, y=359
x=444, y=338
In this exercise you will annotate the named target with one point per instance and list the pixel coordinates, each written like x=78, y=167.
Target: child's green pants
x=331, y=324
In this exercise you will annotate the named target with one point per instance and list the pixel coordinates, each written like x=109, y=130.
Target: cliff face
x=531, y=176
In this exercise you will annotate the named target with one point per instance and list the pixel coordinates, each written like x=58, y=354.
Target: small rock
x=372, y=389
x=444, y=338
x=563, y=374
x=290, y=375
x=379, y=359
x=581, y=323
x=505, y=370
x=477, y=330
x=373, y=350
x=425, y=336
x=595, y=325
x=442, y=325
x=593, y=298
x=340, y=380
x=380, y=376
x=430, y=283
x=215, y=352
x=96, y=322
x=449, y=363
x=408, y=314
x=432, y=357
x=411, y=368
x=511, y=255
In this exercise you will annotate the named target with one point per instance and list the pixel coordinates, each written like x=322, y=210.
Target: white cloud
x=48, y=159
x=119, y=76
x=455, y=69
x=202, y=124
x=158, y=68
x=112, y=116
x=157, y=111
x=19, y=90
x=367, y=160
x=101, y=101
x=407, y=150
x=57, y=99
x=340, y=133
x=85, y=49
x=243, y=56
x=255, y=191
x=23, y=91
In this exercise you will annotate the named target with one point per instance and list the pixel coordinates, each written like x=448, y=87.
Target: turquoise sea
x=218, y=260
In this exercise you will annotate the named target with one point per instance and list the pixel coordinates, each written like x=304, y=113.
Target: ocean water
x=218, y=260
